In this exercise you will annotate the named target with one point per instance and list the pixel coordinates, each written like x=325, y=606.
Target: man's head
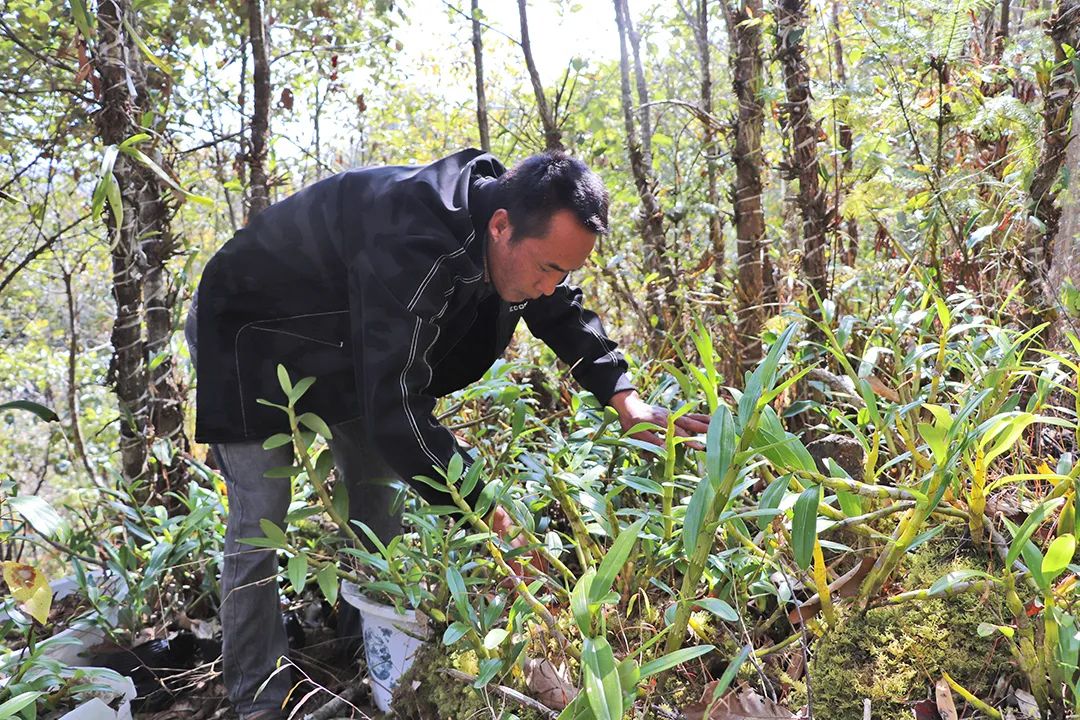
x=551, y=208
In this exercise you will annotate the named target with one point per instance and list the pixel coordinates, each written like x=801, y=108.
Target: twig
x=508, y=693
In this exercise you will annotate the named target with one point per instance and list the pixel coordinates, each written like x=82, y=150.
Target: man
x=392, y=286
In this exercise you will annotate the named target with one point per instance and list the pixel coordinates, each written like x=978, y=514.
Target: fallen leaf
x=925, y=710
x=847, y=585
x=30, y=589
x=1025, y=701
x=882, y=390
x=945, y=705
x=548, y=684
x=744, y=704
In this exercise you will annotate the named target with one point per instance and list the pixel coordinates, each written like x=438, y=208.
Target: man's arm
x=578, y=338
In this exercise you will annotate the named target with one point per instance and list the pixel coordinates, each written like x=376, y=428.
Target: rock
x=845, y=451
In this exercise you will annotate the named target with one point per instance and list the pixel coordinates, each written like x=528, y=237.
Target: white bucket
x=391, y=641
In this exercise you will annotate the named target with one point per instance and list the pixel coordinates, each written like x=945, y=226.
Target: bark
x=72, y=381
x=644, y=114
x=481, y=99
x=166, y=397
x=851, y=249
x=1059, y=95
x=141, y=245
x=803, y=136
x=1065, y=261
x=258, y=190
x=699, y=23
x=749, y=219
x=651, y=225
x=117, y=62
x=552, y=133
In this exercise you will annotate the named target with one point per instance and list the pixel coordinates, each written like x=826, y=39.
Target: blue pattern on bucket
x=377, y=644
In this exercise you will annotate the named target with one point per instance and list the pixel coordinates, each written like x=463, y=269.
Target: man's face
x=531, y=267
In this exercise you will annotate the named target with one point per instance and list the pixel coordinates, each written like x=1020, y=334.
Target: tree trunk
x=258, y=190
x=851, y=249
x=749, y=219
x=652, y=217
x=644, y=114
x=166, y=398
x=1059, y=94
x=1065, y=261
x=478, y=59
x=552, y=133
x=118, y=63
x=796, y=117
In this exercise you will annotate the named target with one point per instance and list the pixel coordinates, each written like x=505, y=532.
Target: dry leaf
x=846, y=585
x=744, y=704
x=882, y=390
x=945, y=705
x=925, y=710
x=1025, y=701
x=548, y=684
x=30, y=589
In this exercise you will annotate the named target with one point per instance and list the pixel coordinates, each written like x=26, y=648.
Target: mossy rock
x=894, y=655
x=425, y=692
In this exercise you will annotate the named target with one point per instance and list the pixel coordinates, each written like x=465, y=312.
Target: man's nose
x=547, y=286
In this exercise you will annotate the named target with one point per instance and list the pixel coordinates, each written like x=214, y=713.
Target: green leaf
x=947, y=580
x=38, y=513
x=629, y=675
x=719, y=445
x=579, y=601
x=283, y=472
x=456, y=583
x=614, y=560
x=1007, y=435
x=489, y=668
x=659, y=665
x=276, y=441
x=146, y=51
x=1024, y=533
x=495, y=638
x=297, y=572
x=300, y=388
x=804, y=525
x=1058, y=556
x=341, y=499
x=719, y=608
x=454, y=468
x=283, y=380
x=770, y=499
x=732, y=669
x=315, y=423
x=273, y=533
x=602, y=686
x=694, y=520
x=454, y=632
x=328, y=582
x=935, y=438
x=83, y=21
x=12, y=706
x=40, y=410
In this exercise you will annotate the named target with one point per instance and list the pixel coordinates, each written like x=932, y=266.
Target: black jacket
x=373, y=282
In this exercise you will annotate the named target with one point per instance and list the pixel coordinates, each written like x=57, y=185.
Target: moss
x=893, y=655
x=425, y=692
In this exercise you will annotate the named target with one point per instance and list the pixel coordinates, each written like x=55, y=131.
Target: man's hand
x=633, y=411
x=502, y=525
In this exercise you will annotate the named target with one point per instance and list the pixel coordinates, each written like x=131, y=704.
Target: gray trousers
x=253, y=634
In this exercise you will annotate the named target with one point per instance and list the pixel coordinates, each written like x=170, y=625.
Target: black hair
x=543, y=184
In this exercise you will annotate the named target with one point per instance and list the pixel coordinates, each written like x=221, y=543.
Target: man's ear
x=499, y=227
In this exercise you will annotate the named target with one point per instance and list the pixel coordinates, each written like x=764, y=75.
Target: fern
x=950, y=26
